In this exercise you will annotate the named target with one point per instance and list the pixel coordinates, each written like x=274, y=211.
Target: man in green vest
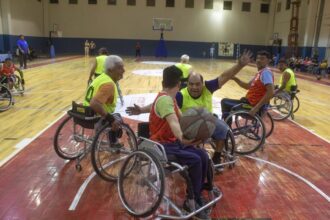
x=102, y=93
x=198, y=93
x=185, y=68
x=288, y=81
x=98, y=65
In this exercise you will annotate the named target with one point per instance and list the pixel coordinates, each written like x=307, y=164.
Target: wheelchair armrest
x=154, y=148
x=241, y=106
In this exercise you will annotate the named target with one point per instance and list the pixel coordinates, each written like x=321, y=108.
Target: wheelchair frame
x=155, y=152
x=6, y=98
x=88, y=142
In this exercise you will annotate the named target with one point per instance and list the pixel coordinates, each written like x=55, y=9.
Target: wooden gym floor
x=288, y=180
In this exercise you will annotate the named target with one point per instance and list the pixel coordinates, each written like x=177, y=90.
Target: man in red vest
x=260, y=88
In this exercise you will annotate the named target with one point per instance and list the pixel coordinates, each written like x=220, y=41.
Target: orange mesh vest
x=160, y=130
x=257, y=89
x=7, y=71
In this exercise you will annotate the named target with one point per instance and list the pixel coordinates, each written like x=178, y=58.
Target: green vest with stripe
x=291, y=82
x=100, y=60
x=184, y=68
x=205, y=100
x=95, y=86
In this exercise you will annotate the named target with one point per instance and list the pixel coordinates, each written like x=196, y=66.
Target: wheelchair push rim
x=249, y=132
x=141, y=184
x=6, y=98
x=107, y=157
x=281, y=107
x=70, y=139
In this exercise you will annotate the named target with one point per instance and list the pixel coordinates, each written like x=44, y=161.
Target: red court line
x=37, y=184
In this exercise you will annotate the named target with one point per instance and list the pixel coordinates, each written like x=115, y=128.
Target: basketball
x=197, y=124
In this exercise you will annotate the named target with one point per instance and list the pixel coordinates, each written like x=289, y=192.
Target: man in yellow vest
x=185, y=68
x=102, y=93
x=288, y=79
x=199, y=94
x=98, y=65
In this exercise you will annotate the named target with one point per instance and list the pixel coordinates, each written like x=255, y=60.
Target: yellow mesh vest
x=184, y=68
x=291, y=82
x=205, y=100
x=100, y=60
x=95, y=86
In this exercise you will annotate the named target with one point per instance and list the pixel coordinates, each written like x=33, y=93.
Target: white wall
x=135, y=22
x=324, y=40
x=26, y=17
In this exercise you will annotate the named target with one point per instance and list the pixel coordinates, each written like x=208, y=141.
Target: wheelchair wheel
x=70, y=139
x=141, y=183
x=109, y=149
x=6, y=99
x=249, y=132
x=296, y=104
x=268, y=122
x=18, y=84
x=229, y=149
x=280, y=107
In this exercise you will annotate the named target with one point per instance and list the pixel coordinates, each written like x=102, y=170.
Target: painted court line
x=22, y=146
x=80, y=192
x=324, y=195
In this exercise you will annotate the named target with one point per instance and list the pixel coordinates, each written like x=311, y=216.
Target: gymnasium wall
x=119, y=27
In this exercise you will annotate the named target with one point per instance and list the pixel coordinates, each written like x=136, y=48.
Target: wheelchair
x=285, y=104
x=250, y=132
x=82, y=132
x=6, y=98
x=142, y=187
x=18, y=85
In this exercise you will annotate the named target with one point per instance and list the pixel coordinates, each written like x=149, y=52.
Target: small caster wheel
x=78, y=167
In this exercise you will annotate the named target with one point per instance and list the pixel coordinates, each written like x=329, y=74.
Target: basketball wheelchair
x=142, y=187
x=250, y=132
x=6, y=96
x=285, y=104
x=82, y=132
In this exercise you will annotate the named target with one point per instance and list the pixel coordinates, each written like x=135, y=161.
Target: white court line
x=293, y=174
x=80, y=192
x=310, y=131
x=22, y=146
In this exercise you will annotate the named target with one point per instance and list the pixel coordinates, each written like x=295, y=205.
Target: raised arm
x=242, y=84
x=230, y=73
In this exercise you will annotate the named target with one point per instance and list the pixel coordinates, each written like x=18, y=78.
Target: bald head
x=195, y=84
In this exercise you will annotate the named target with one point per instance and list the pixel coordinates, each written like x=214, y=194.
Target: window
x=279, y=6
x=73, y=2
x=92, y=2
x=112, y=2
x=151, y=3
x=246, y=6
x=131, y=2
x=208, y=4
x=170, y=3
x=264, y=8
x=53, y=1
x=190, y=3
x=288, y=4
x=227, y=5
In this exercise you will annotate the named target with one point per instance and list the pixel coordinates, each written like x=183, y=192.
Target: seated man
x=288, y=79
x=199, y=94
x=165, y=128
x=260, y=88
x=185, y=68
x=102, y=93
x=7, y=71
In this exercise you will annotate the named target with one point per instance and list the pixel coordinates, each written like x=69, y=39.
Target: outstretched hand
x=133, y=110
x=245, y=58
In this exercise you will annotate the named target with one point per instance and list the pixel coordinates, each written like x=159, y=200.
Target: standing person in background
x=212, y=49
x=186, y=69
x=92, y=47
x=138, y=51
x=86, y=48
x=98, y=65
x=23, y=48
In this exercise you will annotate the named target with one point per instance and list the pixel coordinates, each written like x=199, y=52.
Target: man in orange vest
x=260, y=88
